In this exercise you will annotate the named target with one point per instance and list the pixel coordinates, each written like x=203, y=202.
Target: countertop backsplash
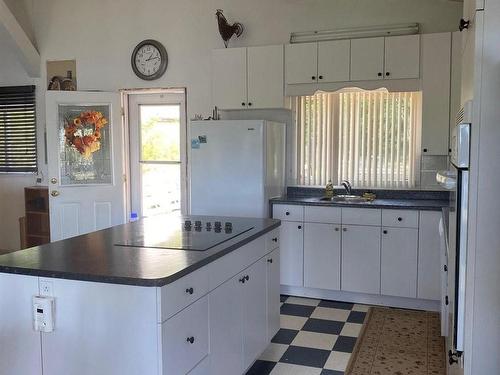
x=301, y=191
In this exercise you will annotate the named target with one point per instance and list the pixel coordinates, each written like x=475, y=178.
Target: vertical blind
x=18, y=152
x=366, y=137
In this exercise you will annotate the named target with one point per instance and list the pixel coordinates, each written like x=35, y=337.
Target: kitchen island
x=164, y=295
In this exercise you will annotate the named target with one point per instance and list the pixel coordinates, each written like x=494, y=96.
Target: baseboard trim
x=368, y=299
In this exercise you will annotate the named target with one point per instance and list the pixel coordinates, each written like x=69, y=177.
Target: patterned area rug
x=399, y=342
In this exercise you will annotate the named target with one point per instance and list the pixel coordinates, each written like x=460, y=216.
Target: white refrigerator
x=236, y=166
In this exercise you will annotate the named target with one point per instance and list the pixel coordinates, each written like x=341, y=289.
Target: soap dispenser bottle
x=329, y=189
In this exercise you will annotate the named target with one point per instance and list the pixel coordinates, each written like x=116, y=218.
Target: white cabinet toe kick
x=388, y=257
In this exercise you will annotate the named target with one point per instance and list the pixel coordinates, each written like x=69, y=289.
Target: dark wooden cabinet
x=37, y=223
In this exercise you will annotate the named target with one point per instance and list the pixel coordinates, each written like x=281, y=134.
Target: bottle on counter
x=329, y=189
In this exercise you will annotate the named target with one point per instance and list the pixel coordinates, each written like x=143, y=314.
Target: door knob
x=54, y=193
x=53, y=180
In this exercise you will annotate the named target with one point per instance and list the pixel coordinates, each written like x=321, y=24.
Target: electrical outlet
x=46, y=287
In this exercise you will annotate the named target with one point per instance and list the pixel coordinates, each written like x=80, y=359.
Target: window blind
x=366, y=137
x=18, y=148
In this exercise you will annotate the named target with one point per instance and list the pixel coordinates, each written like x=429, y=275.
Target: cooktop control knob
x=187, y=224
x=209, y=225
x=197, y=224
x=218, y=224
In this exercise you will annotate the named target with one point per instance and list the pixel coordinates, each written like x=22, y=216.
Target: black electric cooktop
x=190, y=235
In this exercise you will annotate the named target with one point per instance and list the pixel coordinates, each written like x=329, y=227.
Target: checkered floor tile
x=316, y=337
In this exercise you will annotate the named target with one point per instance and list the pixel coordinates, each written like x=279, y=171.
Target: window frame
x=294, y=177
x=10, y=95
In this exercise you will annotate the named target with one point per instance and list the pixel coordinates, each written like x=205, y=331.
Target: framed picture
x=85, y=144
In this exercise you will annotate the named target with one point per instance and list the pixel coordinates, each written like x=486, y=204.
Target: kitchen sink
x=346, y=199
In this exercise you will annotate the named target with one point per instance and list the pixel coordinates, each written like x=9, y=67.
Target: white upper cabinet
x=367, y=59
x=301, y=63
x=229, y=78
x=248, y=77
x=333, y=61
x=402, y=57
x=320, y=62
x=265, y=77
x=436, y=56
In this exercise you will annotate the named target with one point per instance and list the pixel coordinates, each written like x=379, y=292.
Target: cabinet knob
x=287, y=213
x=425, y=150
x=275, y=239
x=270, y=260
x=379, y=74
x=387, y=74
x=189, y=290
x=190, y=340
x=384, y=231
x=463, y=24
x=344, y=229
x=243, y=104
x=242, y=280
x=400, y=219
x=247, y=277
x=300, y=226
x=313, y=78
x=54, y=193
x=249, y=104
x=445, y=268
x=320, y=77
x=336, y=229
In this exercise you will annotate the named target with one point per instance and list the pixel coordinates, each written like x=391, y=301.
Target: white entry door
x=85, y=162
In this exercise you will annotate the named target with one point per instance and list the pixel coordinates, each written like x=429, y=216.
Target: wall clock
x=149, y=60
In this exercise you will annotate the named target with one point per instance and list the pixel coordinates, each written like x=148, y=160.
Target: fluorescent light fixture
x=356, y=32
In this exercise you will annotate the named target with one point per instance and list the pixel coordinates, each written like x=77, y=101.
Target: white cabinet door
x=292, y=253
x=436, y=55
x=21, y=350
x=367, y=59
x=334, y=61
x=399, y=262
x=361, y=259
x=429, y=259
x=265, y=77
x=402, y=57
x=229, y=78
x=226, y=336
x=254, y=312
x=273, y=293
x=301, y=63
x=322, y=256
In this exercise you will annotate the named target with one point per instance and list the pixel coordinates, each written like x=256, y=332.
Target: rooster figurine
x=225, y=29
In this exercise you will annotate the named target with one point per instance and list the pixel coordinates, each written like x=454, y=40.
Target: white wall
x=101, y=34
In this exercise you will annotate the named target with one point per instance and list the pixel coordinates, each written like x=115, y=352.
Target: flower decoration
x=83, y=132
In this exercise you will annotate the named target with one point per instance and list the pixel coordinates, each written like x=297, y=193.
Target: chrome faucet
x=347, y=186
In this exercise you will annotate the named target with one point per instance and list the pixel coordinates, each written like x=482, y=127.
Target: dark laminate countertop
x=411, y=204
x=95, y=257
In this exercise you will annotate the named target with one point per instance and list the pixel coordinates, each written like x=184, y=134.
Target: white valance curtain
x=367, y=137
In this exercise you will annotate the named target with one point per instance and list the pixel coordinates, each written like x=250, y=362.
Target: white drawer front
x=185, y=338
x=330, y=215
x=181, y=293
x=273, y=240
x=400, y=218
x=233, y=263
x=288, y=212
x=361, y=216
